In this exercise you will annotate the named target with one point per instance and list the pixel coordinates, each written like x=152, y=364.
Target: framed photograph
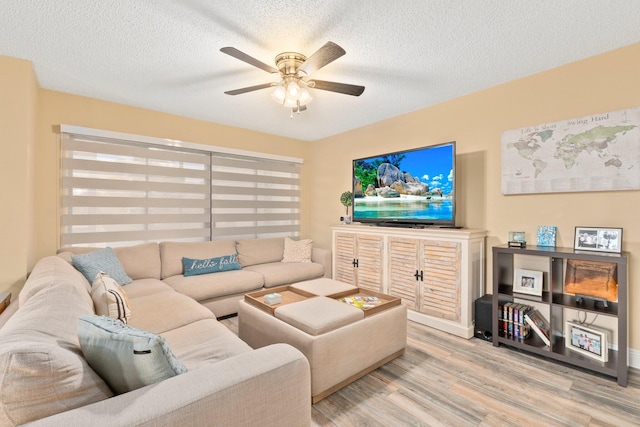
x=598, y=239
x=586, y=340
x=516, y=236
x=596, y=279
x=527, y=282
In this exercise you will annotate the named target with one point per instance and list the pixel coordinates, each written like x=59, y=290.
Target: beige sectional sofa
x=220, y=292
x=46, y=380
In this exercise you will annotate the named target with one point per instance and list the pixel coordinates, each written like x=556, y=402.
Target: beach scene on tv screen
x=412, y=185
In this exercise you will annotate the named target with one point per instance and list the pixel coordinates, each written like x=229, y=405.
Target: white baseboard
x=634, y=358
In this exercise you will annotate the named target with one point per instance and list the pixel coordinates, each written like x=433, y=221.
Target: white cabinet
x=426, y=274
x=358, y=260
x=438, y=273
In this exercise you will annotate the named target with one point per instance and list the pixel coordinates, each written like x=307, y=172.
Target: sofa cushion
x=279, y=273
x=216, y=285
x=53, y=271
x=42, y=371
x=297, y=250
x=42, y=379
x=195, y=267
x=171, y=253
x=259, y=251
x=318, y=315
x=204, y=341
x=126, y=358
x=105, y=260
x=165, y=311
x=141, y=287
x=109, y=299
x=139, y=261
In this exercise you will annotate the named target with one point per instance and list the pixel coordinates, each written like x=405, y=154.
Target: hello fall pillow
x=193, y=267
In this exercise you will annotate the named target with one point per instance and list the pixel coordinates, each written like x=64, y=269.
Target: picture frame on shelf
x=516, y=239
x=527, y=282
x=586, y=340
x=598, y=239
x=516, y=236
x=546, y=235
x=596, y=279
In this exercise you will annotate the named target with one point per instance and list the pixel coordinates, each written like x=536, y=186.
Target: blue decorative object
x=193, y=267
x=126, y=358
x=546, y=235
x=104, y=260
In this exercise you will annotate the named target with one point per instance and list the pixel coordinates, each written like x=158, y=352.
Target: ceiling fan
x=294, y=70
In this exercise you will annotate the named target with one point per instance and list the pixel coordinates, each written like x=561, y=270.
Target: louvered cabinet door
x=437, y=274
x=345, y=254
x=403, y=265
x=440, y=288
x=369, y=258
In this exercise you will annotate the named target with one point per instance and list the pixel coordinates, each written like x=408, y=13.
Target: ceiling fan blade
x=323, y=56
x=249, y=89
x=344, y=88
x=232, y=51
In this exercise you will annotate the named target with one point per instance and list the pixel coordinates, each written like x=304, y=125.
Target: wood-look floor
x=443, y=380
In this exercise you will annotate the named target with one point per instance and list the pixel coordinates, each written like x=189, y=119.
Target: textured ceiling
x=165, y=55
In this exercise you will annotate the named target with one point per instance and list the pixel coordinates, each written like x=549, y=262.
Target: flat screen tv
x=407, y=188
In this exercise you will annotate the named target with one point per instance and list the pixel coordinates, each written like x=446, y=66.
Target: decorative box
x=272, y=299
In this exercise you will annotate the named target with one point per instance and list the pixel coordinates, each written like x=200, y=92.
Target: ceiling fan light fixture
x=290, y=103
x=305, y=96
x=279, y=94
x=293, y=90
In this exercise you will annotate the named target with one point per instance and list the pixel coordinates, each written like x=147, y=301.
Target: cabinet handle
x=355, y=262
x=419, y=275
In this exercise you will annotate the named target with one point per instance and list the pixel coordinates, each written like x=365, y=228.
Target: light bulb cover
x=290, y=103
x=279, y=94
x=305, y=96
x=293, y=90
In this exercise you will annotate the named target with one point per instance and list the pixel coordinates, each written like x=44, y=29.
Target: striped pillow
x=109, y=299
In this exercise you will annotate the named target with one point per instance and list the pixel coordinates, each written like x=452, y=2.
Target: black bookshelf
x=554, y=297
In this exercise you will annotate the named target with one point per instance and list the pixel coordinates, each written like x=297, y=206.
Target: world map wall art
x=600, y=152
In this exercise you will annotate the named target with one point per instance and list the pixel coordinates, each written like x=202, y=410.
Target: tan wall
x=18, y=103
x=603, y=83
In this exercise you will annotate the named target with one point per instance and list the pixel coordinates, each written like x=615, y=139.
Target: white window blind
x=254, y=197
x=119, y=192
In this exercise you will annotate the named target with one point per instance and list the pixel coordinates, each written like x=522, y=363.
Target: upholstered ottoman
x=339, y=341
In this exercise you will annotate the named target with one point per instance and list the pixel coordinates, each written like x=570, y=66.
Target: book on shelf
x=516, y=317
x=539, y=325
x=512, y=323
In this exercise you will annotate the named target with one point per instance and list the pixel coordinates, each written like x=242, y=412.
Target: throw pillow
x=92, y=263
x=297, y=250
x=109, y=299
x=193, y=267
x=126, y=358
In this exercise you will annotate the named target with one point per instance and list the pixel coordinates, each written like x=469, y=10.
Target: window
x=254, y=198
x=123, y=189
